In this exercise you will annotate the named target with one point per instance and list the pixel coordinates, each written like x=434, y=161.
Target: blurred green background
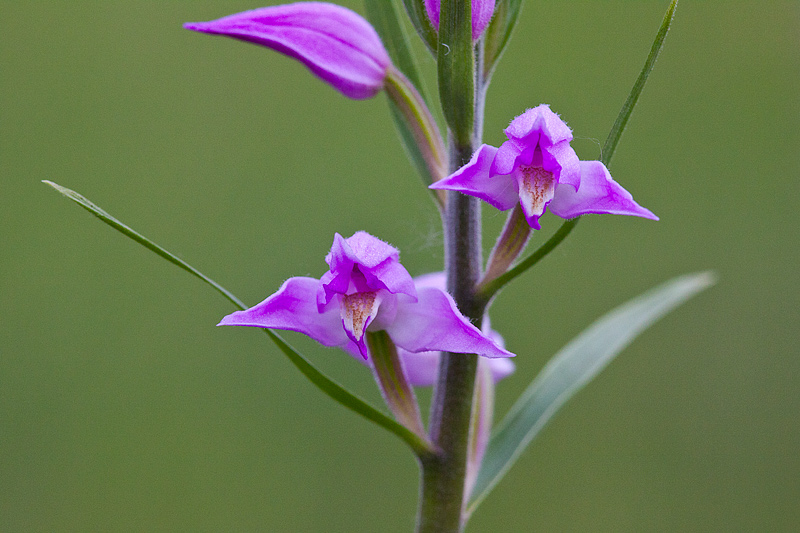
x=122, y=407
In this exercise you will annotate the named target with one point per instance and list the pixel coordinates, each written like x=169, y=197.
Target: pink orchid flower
x=366, y=288
x=538, y=169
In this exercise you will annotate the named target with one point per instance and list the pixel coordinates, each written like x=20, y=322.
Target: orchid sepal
x=422, y=368
x=336, y=44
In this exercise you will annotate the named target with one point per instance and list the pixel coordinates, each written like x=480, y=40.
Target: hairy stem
x=442, y=498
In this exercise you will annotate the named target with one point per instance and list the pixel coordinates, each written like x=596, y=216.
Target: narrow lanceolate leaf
x=421, y=150
x=419, y=445
x=324, y=383
x=456, y=64
x=418, y=129
x=383, y=16
x=625, y=113
x=421, y=22
x=572, y=368
x=498, y=33
x=141, y=239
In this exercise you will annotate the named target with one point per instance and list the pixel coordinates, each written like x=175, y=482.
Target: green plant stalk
x=442, y=495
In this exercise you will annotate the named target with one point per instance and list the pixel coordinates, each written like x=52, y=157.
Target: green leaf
x=383, y=16
x=420, y=446
x=572, y=368
x=324, y=383
x=419, y=19
x=456, y=65
x=141, y=239
x=498, y=33
x=625, y=113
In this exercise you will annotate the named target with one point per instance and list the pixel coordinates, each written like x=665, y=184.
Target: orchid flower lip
x=538, y=169
x=367, y=289
x=336, y=44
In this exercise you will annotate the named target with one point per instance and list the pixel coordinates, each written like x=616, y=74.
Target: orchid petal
x=423, y=367
x=294, y=308
x=563, y=162
x=437, y=280
x=505, y=160
x=538, y=125
x=335, y=43
x=598, y=194
x=475, y=179
x=375, y=260
x=435, y=323
x=536, y=189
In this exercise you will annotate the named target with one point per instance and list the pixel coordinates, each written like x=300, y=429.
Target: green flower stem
x=455, y=60
x=388, y=371
x=444, y=473
x=486, y=290
x=509, y=245
x=442, y=498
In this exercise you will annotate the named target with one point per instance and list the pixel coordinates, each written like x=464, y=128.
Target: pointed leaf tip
x=418, y=444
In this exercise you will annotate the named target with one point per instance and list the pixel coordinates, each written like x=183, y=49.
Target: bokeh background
x=122, y=407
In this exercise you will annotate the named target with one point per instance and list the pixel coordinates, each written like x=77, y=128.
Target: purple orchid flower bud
x=366, y=288
x=335, y=43
x=537, y=168
x=482, y=11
